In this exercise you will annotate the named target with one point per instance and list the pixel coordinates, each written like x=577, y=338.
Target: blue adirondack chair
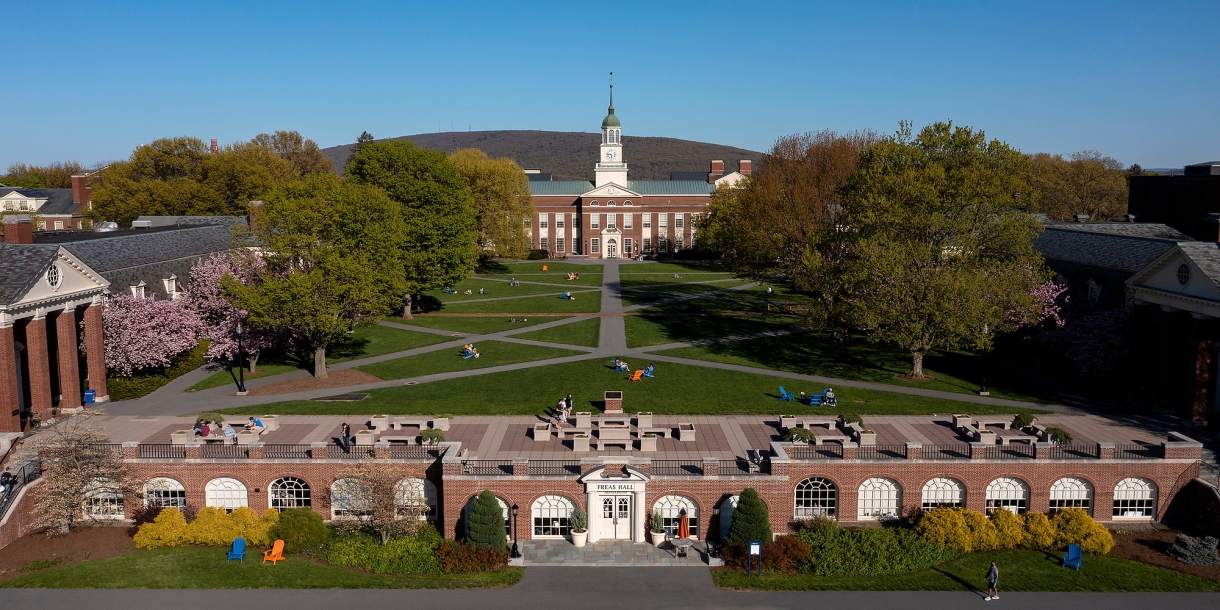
x=1074, y=558
x=815, y=400
x=238, y=551
x=785, y=395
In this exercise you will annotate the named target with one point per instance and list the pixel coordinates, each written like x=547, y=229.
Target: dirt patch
x=336, y=379
x=1149, y=546
x=909, y=377
x=79, y=545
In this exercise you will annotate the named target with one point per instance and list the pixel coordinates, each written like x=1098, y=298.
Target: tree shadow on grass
x=492, y=266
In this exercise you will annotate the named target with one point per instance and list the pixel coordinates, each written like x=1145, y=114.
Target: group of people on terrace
x=206, y=429
x=563, y=409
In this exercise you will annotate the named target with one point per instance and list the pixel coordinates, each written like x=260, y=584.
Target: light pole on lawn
x=516, y=551
x=983, y=390
x=241, y=373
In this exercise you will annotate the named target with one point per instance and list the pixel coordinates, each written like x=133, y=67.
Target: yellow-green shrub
x=1039, y=533
x=1075, y=526
x=983, y=535
x=168, y=529
x=1009, y=529
x=245, y=523
x=945, y=526
x=211, y=527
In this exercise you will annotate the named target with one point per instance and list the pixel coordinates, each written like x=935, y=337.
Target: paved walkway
x=610, y=553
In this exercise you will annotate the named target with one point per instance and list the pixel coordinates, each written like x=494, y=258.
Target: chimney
x=256, y=208
x=717, y=171
x=215, y=148
x=18, y=229
x=82, y=193
x=745, y=167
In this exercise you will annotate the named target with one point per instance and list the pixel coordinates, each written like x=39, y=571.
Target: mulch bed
x=335, y=379
x=1149, y=546
x=79, y=545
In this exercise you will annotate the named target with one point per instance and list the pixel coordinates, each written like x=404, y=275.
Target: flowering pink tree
x=207, y=295
x=141, y=333
x=1053, y=298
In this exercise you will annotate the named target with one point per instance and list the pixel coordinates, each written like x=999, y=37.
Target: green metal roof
x=560, y=187
x=671, y=187
x=610, y=121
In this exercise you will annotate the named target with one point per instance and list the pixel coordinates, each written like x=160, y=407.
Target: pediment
x=616, y=473
x=63, y=278
x=611, y=190
x=1177, y=273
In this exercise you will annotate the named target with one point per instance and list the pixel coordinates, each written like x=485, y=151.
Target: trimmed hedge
x=966, y=531
x=405, y=555
x=837, y=551
x=212, y=527
x=301, y=529
x=147, y=381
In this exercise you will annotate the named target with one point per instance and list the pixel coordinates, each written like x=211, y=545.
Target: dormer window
x=24, y=205
x=138, y=290
x=171, y=287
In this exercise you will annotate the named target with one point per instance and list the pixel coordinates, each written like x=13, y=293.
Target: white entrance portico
x=615, y=495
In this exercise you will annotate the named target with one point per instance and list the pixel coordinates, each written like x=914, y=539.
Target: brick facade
x=10, y=399
x=39, y=364
x=69, y=359
x=95, y=352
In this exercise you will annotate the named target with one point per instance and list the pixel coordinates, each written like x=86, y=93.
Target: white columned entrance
x=615, y=499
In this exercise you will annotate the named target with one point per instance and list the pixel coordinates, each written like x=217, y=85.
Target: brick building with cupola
x=615, y=217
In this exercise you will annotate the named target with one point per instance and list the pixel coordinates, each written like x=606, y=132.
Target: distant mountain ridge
x=571, y=156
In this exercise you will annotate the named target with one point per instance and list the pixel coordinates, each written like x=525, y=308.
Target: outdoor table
x=681, y=545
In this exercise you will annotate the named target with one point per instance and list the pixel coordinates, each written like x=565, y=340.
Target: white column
x=638, y=518
x=595, y=516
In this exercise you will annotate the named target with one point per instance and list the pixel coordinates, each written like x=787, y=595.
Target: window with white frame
x=417, y=497
x=103, y=500
x=647, y=244
x=1135, y=498
x=1071, y=492
x=594, y=202
x=23, y=205
x=611, y=202
x=647, y=218
x=662, y=220
x=627, y=220
x=543, y=220
x=349, y=499
x=171, y=286
x=164, y=492
x=59, y=225
x=543, y=243
x=611, y=221
x=595, y=245
x=226, y=493
x=559, y=244
x=679, y=221
x=559, y=221
x=678, y=243
x=671, y=508
x=879, y=498
x=552, y=516
x=816, y=497
x=1009, y=493
x=943, y=491
x=575, y=244
x=289, y=492
x=627, y=245
x=627, y=202
x=595, y=221
x=138, y=290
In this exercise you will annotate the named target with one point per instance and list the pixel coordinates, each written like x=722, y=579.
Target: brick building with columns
x=615, y=217
x=51, y=292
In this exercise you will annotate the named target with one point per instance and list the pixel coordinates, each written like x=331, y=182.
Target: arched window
x=350, y=499
x=611, y=202
x=943, y=492
x=1010, y=493
x=1070, y=492
x=416, y=498
x=503, y=508
x=1135, y=498
x=671, y=508
x=594, y=202
x=225, y=493
x=288, y=492
x=551, y=515
x=816, y=497
x=164, y=492
x=103, y=500
x=879, y=499
x=627, y=202
x=726, y=515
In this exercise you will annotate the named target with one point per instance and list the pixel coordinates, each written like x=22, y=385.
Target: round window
x=53, y=277
x=1183, y=274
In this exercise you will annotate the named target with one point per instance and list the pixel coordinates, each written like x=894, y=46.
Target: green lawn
x=229, y=376
x=677, y=389
x=639, y=297
x=671, y=268
x=556, y=273
x=649, y=279
x=584, y=332
x=585, y=302
x=472, y=325
x=1019, y=571
x=643, y=331
x=491, y=353
x=493, y=289
x=205, y=568
x=814, y=354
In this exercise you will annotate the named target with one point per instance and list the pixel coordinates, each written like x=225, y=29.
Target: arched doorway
x=612, y=248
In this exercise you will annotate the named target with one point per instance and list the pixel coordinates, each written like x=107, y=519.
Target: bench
x=660, y=432
x=983, y=422
x=616, y=433
x=400, y=438
x=626, y=444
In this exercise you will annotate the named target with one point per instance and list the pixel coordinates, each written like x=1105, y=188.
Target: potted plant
x=787, y=421
x=656, y=528
x=380, y=422
x=648, y=442
x=580, y=442
x=580, y=526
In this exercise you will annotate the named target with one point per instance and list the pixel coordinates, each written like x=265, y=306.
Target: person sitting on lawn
x=468, y=291
x=474, y=351
x=804, y=398
x=513, y=283
x=830, y=397
x=649, y=369
x=480, y=291
x=571, y=276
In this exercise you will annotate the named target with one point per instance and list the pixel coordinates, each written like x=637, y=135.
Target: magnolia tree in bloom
x=207, y=295
x=141, y=333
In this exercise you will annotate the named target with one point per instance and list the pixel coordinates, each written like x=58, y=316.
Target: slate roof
x=1151, y=230
x=1206, y=255
x=182, y=221
x=112, y=251
x=1119, y=252
x=59, y=201
x=24, y=265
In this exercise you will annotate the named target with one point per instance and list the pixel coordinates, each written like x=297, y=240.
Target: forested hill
x=571, y=155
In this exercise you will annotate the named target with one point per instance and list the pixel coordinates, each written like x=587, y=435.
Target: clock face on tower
x=610, y=154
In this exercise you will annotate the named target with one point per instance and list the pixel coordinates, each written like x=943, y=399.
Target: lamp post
x=983, y=390
x=241, y=373
x=516, y=551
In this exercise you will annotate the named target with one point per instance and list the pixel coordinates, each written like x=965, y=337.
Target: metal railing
x=882, y=452
x=677, y=467
x=285, y=452
x=1073, y=452
x=829, y=451
x=414, y=452
x=223, y=451
x=743, y=466
x=163, y=451
x=1016, y=451
x=488, y=467
x=945, y=452
x=352, y=452
x=25, y=474
x=106, y=447
x=1136, y=452
x=554, y=467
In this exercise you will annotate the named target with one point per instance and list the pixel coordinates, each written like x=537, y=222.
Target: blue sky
x=91, y=80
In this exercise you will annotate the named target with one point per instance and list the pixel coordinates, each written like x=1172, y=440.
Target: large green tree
x=1085, y=183
x=332, y=249
x=502, y=199
x=438, y=245
x=304, y=154
x=933, y=244
x=52, y=176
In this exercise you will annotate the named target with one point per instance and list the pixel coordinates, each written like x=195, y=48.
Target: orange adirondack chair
x=639, y=373
x=275, y=554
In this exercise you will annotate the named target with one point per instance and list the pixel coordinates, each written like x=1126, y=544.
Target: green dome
x=610, y=120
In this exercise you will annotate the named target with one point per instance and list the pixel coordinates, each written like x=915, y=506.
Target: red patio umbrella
x=683, y=526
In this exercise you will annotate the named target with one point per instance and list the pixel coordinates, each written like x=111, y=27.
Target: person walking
x=993, y=582
x=346, y=433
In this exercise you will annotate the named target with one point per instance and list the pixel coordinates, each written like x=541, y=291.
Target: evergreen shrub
x=415, y=554
x=486, y=523
x=751, y=520
x=300, y=528
x=837, y=551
